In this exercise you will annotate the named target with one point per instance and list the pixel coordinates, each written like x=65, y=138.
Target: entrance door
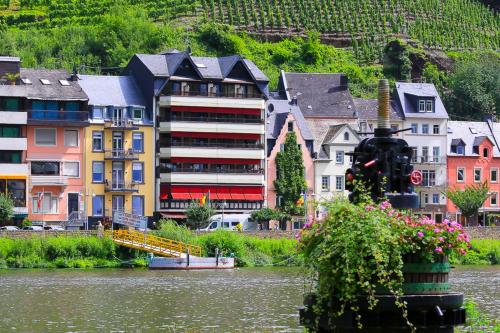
x=117, y=144
x=117, y=202
x=117, y=118
x=117, y=176
x=73, y=203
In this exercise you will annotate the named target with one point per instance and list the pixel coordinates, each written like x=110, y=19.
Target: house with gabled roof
x=210, y=115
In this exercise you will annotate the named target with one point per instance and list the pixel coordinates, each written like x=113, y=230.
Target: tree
x=469, y=199
x=397, y=61
x=198, y=215
x=290, y=178
x=6, y=207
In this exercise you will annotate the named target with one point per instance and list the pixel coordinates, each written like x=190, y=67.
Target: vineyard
x=364, y=25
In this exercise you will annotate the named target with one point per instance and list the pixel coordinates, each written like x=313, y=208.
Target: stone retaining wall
x=483, y=232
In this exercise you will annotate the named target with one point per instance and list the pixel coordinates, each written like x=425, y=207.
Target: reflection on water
x=249, y=300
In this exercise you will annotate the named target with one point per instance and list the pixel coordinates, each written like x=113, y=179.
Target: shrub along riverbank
x=86, y=252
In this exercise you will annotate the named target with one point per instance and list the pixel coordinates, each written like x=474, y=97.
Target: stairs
x=153, y=244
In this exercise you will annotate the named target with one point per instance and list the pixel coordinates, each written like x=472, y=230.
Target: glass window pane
x=138, y=205
x=98, y=172
x=11, y=104
x=98, y=205
x=97, y=113
x=137, y=172
x=71, y=169
x=17, y=189
x=97, y=141
x=138, y=142
x=71, y=138
x=45, y=136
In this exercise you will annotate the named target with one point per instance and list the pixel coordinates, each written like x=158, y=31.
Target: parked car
x=9, y=228
x=230, y=222
x=54, y=227
x=33, y=228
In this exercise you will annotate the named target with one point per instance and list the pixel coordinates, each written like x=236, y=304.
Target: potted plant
x=362, y=250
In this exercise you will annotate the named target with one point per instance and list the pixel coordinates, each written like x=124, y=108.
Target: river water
x=242, y=300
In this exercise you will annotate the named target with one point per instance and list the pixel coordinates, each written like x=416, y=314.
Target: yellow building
x=119, y=149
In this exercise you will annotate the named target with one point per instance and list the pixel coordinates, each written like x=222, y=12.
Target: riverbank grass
x=482, y=252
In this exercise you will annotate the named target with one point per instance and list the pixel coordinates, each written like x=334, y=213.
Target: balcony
x=206, y=177
x=120, y=186
x=213, y=118
x=49, y=180
x=121, y=124
x=212, y=127
x=213, y=152
x=13, y=169
x=63, y=118
x=214, y=94
x=204, y=99
x=121, y=155
x=217, y=145
x=13, y=117
x=18, y=143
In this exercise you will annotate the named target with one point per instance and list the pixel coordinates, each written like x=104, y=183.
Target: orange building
x=473, y=158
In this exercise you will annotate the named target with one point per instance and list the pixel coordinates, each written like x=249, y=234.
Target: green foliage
x=475, y=87
x=290, y=180
x=267, y=214
x=478, y=322
x=469, y=199
x=482, y=252
x=171, y=230
x=26, y=223
x=198, y=215
x=6, y=207
x=397, y=62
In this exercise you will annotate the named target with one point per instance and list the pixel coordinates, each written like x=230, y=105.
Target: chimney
x=343, y=80
x=74, y=74
x=294, y=100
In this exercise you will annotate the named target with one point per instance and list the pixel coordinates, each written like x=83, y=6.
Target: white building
x=426, y=115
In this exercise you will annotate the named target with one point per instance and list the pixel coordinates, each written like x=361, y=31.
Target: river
x=125, y=300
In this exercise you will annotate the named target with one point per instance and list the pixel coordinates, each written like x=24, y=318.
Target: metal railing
x=430, y=159
x=120, y=186
x=194, y=93
x=212, y=145
x=211, y=119
x=212, y=170
x=124, y=123
x=47, y=115
x=120, y=154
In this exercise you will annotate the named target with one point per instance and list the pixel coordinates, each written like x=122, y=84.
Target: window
x=98, y=172
x=97, y=113
x=97, y=141
x=138, y=205
x=45, y=136
x=138, y=114
x=435, y=198
x=414, y=128
x=282, y=147
x=486, y=152
x=48, y=204
x=421, y=106
x=98, y=205
x=290, y=126
x=460, y=175
x=45, y=82
x=414, y=156
x=64, y=83
x=477, y=175
x=460, y=150
x=339, y=157
x=425, y=154
x=17, y=190
x=435, y=154
x=71, y=169
x=428, y=106
x=426, y=198
x=425, y=128
x=10, y=156
x=339, y=183
x=494, y=175
x=493, y=198
x=362, y=127
x=138, y=172
x=10, y=131
x=435, y=129
x=138, y=142
x=71, y=138
x=346, y=136
x=45, y=168
x=325, y=183
x=429, y=178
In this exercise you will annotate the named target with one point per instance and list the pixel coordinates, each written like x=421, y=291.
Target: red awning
x=197, y=196
x=181, y=196
x=224, y=196
x=237, y=196
x=254, y=197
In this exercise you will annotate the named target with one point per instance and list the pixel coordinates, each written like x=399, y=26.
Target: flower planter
x=424, y=277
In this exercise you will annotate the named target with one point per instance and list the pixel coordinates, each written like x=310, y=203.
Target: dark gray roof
x=164, y=65
x=367, y=109
x=320, y=95
x=54, y=90
x=332, y=132
x=471, y=133
x=8, y=90
x=276, y=119
x=111, y=90
x=405, y=90
x=456, y=142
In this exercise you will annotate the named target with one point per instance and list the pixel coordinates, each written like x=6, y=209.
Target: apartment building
x=57, y=117
x=426, y=115
x=13, y=142
x=210, y=130
x=120, y=149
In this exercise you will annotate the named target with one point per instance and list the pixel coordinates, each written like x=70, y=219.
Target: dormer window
x=346, y=136
x=421, y=106
x=460, y=150
x=486, y=152
x=428, y=106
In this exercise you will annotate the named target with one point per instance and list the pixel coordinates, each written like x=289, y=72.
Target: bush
x=482, y=252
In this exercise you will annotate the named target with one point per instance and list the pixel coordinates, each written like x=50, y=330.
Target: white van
x=230, y=222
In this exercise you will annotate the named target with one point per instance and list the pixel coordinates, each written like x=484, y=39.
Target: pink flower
x=462, y=251
x=436, y=230
x=298, y=236
x=453, y=224
x=384, y=205
x=441, y=239
x=438, y=250
x=369, y=208
x=420, y=234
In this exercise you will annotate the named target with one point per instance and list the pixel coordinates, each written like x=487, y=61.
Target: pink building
x=55, y=141
x=285, y=117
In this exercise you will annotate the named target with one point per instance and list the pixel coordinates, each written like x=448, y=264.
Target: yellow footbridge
x=153, y=244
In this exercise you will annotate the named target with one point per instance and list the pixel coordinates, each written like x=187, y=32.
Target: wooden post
x=217, y=257
x=188, y=252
